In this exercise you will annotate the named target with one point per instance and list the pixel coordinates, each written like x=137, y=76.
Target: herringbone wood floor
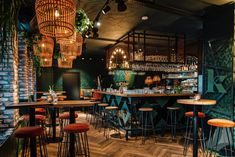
x=116, y=147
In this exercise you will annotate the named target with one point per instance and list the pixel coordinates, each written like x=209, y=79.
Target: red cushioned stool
x=189, y=131
x=64, y=120
x=81, y=140
x=25, y=133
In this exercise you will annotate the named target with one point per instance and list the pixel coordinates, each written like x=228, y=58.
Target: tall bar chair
x=189, y=131
x=24, y=134
x=146, y=127
x=219, y=125
x=172, y=115
x=81, y=140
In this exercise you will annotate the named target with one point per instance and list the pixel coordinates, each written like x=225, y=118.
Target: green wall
x=89, y=68
x=218, y=81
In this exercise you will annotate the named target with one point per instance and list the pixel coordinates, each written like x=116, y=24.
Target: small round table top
x=202, y=102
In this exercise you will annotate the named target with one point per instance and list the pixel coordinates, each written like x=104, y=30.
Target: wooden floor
x=116, y=147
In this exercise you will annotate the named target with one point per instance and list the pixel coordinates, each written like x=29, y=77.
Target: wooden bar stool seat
x=224, y=123
x=103, y=104
x=111, y=108
x=223, y=127
x=146, y=109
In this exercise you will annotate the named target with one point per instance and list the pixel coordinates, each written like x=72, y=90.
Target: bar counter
x=129, y=103
x=145, y=95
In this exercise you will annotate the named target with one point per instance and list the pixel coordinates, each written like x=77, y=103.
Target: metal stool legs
x=212, y=145
x=146, y=117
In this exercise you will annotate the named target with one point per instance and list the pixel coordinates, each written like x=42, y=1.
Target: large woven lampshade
x=44, y=47
x=56, y=18
x=71, y=49
x=76, y=37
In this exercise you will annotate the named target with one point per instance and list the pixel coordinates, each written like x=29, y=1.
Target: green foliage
x=82, y=22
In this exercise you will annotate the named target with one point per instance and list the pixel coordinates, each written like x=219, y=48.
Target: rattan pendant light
x=56, y=18
x=65, y=62
x=44, y=47
x=70, y=48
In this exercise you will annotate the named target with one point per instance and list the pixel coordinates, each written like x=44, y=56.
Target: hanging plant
x=8, y=25
x=31, y=40
x=82, y=22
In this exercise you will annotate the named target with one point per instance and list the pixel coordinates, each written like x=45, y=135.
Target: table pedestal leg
x=72, y=136
x=195, y=132
x=54, y=139
x=33, y=146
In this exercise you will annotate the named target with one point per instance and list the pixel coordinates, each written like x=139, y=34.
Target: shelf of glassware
x=188, y=79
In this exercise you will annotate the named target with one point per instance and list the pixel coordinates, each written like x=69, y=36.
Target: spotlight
x=97, y=24
x=106, y=9
x=121, y=5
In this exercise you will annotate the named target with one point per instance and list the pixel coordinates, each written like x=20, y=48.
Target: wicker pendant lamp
x=44, y=47
x=56, y=18
x=76, y=37
x=46, y=62
x=65, y=62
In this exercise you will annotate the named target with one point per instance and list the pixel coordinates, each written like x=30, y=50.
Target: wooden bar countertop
x=145, y=95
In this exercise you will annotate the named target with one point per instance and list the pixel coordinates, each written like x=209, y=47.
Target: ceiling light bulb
x=124, y=57
x=57, y=14
x=144, y=18
x=122, y=52
x=98, y=24
x=112, y=56
x=114, y=52
x=45, y=59
x=110, y=61
x=43, y=45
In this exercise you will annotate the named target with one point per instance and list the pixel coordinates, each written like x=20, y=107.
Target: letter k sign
x=213, y=81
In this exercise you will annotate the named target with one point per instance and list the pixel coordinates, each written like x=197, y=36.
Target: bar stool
x=100, y=114
x=188, y=132
x=25, y=133
x=40, y=110
x=64, y=120
x=220, y=124
x=40, y=119
x=172, y=113
x=146, y=113
x=81, y=140
x=111, y=120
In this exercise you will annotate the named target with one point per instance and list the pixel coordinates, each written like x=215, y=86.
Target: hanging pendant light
x=72, y=49
x=65, y=62
x=45, y=62
x=44, y=47
x=56, y=18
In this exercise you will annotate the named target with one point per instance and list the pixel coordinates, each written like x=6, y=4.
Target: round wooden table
x=195, y=103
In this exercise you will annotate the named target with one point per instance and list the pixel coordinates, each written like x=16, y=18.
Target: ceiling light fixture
x=121, y=5
x=144, y=18
x=106, y=9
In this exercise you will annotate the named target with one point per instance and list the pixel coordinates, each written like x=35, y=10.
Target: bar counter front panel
x=129, y=104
